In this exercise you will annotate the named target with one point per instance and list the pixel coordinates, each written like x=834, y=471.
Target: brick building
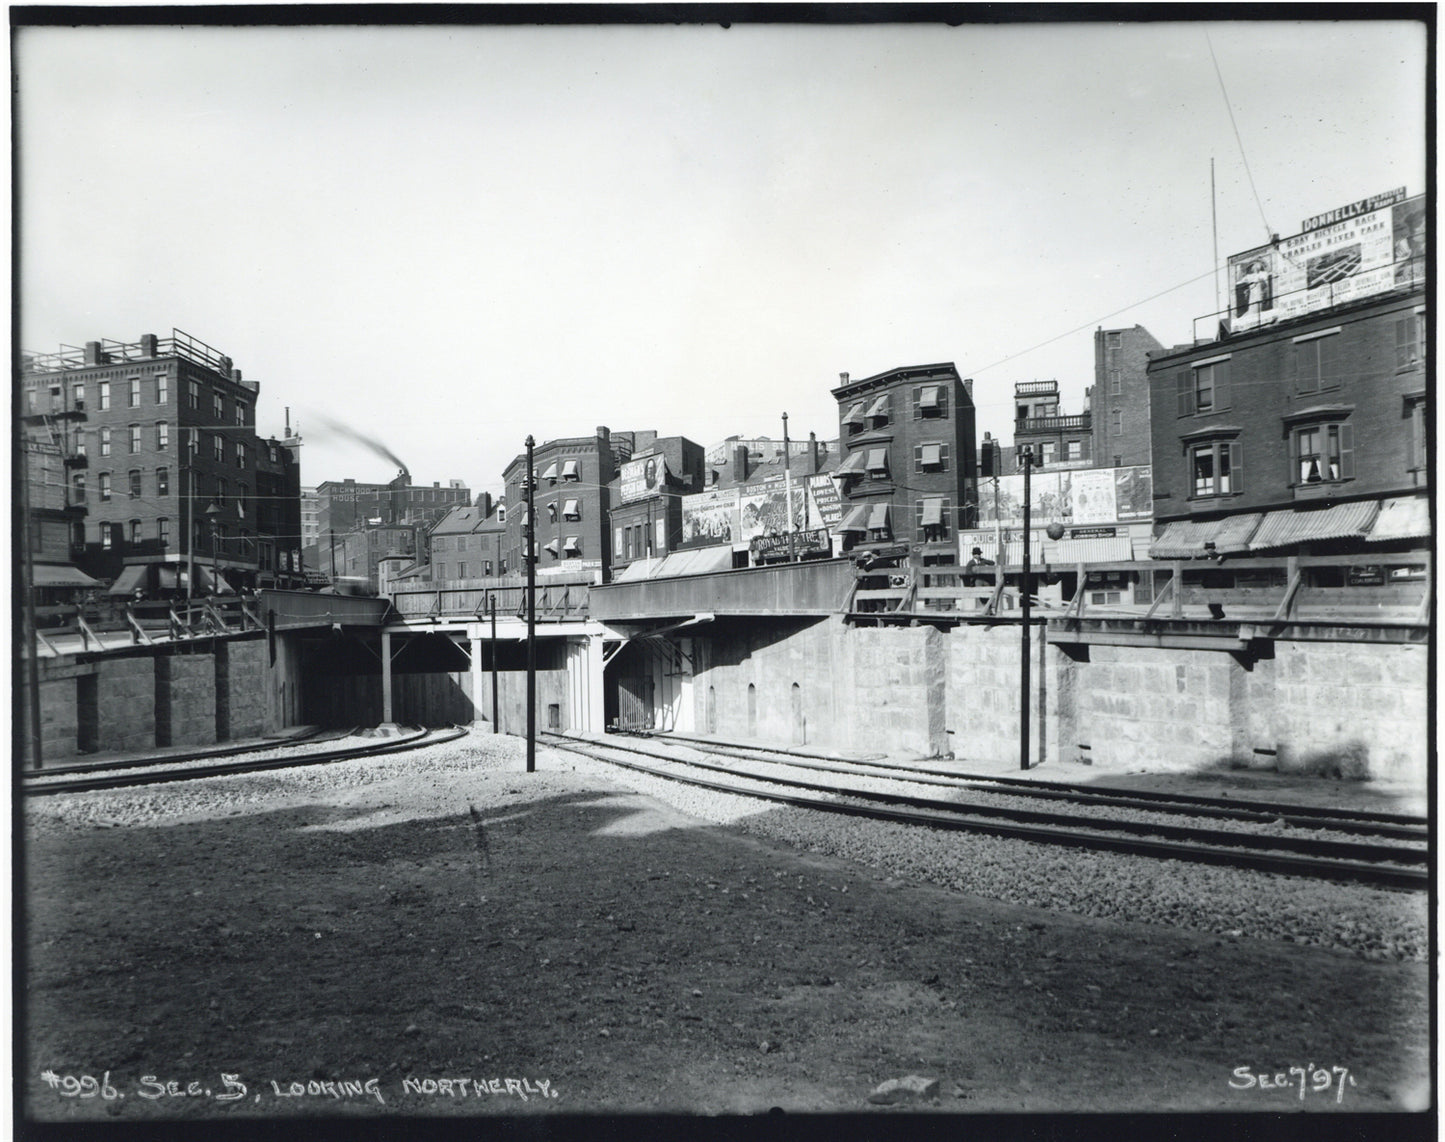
x=571, y=477
x=646, y=498
x=162, y=452
x=1119, y=399
x=909, y=473
x=467, y=543
x=1058, y=440
x=397, y=507
x=1307, y=434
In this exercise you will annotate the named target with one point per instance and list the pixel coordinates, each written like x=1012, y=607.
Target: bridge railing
x=557, y=600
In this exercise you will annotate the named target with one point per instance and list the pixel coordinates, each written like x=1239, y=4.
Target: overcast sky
x=448, y=238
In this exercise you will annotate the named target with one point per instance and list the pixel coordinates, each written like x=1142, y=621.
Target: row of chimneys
x=810, y=463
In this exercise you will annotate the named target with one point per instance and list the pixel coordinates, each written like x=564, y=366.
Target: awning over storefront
x=878, y=518
x=168, y=576
x=1404, y=517
x=130, y=578
x=878, y=460
x=1105, y=549
x=64, y=575
x=854, y=415
x=1185, y=538
x=1293, y=525
x=854, y=463
x=637, y=569
x=879, y=407
x=932, y=512
x=698, y=561
x=855, y=520
x=211, y=583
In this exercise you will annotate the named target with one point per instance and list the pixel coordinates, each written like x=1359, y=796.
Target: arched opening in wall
x=711, y=710
x=752, y=710
x=800, y=726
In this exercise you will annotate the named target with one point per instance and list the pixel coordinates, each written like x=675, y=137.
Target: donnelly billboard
x=1345, y=255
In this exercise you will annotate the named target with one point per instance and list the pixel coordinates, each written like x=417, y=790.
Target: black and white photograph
x=687, y=569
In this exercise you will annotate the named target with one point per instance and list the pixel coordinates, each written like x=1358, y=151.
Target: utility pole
x=1028, y=460
x=30, y=647
x=529, y=540
x=496, y=713
x=788, y=486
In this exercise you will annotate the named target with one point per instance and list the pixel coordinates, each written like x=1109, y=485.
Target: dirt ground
x=363, y=956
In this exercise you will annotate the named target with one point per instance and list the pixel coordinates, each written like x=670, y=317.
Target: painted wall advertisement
x=711, y=517
x=643, y=476
x=1079, y=497
x=1345, y=255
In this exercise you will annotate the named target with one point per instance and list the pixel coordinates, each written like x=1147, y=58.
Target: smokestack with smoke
x=329, y=425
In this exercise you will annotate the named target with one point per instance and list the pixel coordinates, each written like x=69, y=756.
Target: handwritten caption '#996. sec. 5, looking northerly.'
x=231, y=1088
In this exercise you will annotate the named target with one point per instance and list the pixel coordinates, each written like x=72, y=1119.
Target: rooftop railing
x=178, y=344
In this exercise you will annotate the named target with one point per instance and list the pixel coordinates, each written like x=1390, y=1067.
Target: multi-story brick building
x=909, y=473
x=1119, y=399
x=397, y=507
x=646, y=498
x=467, y=543
x=571, y=477
x=1305, y=435
x=1057, y=440
x=167, y=464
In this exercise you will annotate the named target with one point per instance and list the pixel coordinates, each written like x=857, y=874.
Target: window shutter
x=1184, y=380
x=918, y=457
x=1236, y=467
x=1404, y=342
x=1306, y=366
x=1347, y=452
x=1330, y=361
x=1221, y=385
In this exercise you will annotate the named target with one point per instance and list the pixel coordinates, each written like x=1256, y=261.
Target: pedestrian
x=974, y=567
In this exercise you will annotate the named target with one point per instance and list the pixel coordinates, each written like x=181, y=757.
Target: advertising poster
x=763, y=509
x=1134, y=493
x=1093, y=496
x=1078, y=498
x=1351, y=254
x=711, y=517
x=643, y=476
x=825, y=506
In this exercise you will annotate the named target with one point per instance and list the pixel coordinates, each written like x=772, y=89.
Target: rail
x=556, y=601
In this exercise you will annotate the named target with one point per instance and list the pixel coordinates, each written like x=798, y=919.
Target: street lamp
x=213, y=514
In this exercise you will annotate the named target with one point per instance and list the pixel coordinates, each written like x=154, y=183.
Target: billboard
x=1349, y=254
x=711, y=517
x=764, y=512
x=643, y=476
x=1079, y=497
x=825, y=505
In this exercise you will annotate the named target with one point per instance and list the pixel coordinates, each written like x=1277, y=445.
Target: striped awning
x=1104, y=549
x=928, y=398
x=879, y=407
x=854, y=463
x=878, y=460
x=64, y=575
x=932, y=455
x=1404, y=517
x=854, y=415
x=878, y=517
x=1293, y=525
x=932, y=511
x=1185, y=538
x=855, y=520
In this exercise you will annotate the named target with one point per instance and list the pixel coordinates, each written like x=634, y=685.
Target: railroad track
x=1376, y=862
x=1397, y=826
x=113, y=775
